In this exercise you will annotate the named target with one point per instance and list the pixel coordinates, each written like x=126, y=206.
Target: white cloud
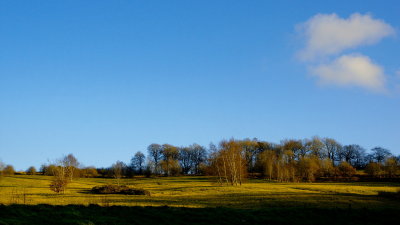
x=351, y=70
x=327, y=34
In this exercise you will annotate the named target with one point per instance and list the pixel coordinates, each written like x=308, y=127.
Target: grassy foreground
x=94, y=214
x=182, y=200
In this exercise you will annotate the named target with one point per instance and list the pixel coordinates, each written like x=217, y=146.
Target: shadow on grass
x=93, y=214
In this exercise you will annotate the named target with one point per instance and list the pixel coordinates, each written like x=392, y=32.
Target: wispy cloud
x=327, y=34
x=351, y=70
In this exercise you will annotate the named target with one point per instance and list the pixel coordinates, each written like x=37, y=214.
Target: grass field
x=200, y=192
x=200, y=195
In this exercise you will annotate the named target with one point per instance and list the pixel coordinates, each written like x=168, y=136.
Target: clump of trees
x=63, y=173
x=382, y=163
x=299, y=160
x=232, y=161
x=229, y=163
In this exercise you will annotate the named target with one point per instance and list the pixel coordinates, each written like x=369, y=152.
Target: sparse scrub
x=118, y=189
x=31, y=170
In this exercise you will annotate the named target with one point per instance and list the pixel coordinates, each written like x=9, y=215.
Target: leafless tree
x=70, y=164
x=380, y=154
x=137, y=162
x=170, y=164
x=117, y=170
x=229, y=163
x=155, y=156
x=333, y=148
x=60, y=179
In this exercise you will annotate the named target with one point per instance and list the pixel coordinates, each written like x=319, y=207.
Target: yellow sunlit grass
x=199, y=192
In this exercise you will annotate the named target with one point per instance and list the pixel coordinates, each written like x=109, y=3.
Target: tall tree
x=250, y=148
x=155, y=156
x=199, y=155
x=292, y=145
x=185, y=159
x=380, y=154
x=71, y=164
x=333, y=148
x=316, y=147
x=354, y=154
x=118, y=170
x=170, y=162
x=137, y=162
x=229, y=163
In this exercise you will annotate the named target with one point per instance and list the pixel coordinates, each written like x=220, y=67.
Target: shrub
x=58, y=185
x=31, y=170
x=391, y=167
x=49, y=170
x=9, y=170
x=374, y=169
x=308, y=168
x=118, y=189
x=89, y=172
x=346, y=170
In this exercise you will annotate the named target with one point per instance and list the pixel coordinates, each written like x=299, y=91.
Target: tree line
x=232, y=161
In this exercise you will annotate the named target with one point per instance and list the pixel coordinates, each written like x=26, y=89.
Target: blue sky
x=104, y=79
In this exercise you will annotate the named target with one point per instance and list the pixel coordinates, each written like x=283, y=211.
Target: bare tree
x=117, y=170
x=185, y=159
x=266, y=161
x=60, y=179
x=293, y=145
x=316, y=147
x=349, y=152
x=137, y=162
x=170, y=164
x=71, y=164
x=155, y=156
x=199, y=155
x=380, y=154
x=333, y=148
x=229, y=163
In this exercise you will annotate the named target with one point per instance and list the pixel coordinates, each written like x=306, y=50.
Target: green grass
x=93, y=214
x=177, y=200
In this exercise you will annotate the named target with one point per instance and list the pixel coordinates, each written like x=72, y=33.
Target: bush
x=374, y=169
x=89, y=172
x=118, y=189
x=8, y=170
x=391, y=167
x=58, y=185
x=49, y=170
x=31, y=171
x=346, y=170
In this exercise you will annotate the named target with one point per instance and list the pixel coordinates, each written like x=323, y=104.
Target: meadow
x=199, y=195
